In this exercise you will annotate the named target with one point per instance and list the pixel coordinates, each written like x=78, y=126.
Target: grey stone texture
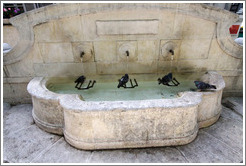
x=26, y=143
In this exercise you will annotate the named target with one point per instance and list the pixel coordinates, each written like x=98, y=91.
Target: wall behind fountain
x=104, y=32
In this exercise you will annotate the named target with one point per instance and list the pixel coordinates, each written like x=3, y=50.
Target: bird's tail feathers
x=213, y=86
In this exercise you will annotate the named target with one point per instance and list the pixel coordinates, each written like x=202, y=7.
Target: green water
x=108, y=91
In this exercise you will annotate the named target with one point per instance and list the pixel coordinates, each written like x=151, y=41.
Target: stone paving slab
x=229, y=114
x=21, y=115
x=231, y=136
x=62, y=152
x=24, y=142
x=145, y=155
x=234, y=103
x=27, y=144
x=208, y=149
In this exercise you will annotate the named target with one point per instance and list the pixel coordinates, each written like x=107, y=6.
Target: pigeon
x=203, y=86
x=124, y=79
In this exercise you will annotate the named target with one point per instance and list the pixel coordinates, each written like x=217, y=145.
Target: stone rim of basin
x=37, y=87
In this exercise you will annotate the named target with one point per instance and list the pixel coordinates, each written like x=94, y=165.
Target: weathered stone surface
x=64, y=69
x=127, y=27
x=22, y=68
x=105, y=51
x=21, y=115
x=148, y=50
x=33, y=141
x=16, y=94
x=69, y=29
x=56, y=52
x=47, y=34
x=227, y=134
x=194, y=28
x=62, y=152
x=227, y=113
x=207, y=148
x=123, y=124
x=23, y=140
x=235, y=104
x=194, y=48
x=10, y=35
x=130, y=128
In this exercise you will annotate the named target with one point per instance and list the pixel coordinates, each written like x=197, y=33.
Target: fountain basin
x=94, y=125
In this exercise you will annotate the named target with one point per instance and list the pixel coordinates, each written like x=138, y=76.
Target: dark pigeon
x=203, y=86
x=123, y=81
x=167, y=78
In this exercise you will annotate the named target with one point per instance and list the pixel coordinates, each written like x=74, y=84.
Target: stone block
x=45, y=32
x=62, y=11
x=148, y=50
x=35, y=54
x=123, y=47
x=88, y=27
x=87, y=48
x=198, y=28
x=69, y=29
x=127, y=27
x=166, y=24
x=56, y=52
x=105, y=51
x=194, y=48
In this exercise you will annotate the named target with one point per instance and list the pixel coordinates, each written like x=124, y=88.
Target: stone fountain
x=186, y=39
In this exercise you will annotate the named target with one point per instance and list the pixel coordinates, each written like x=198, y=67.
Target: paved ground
x=24, y=142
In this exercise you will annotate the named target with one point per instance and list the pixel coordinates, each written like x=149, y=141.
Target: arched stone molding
x=25, y=22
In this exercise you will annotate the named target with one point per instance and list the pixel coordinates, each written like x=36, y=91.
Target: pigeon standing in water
x=80, y=81
x=203, y=86
x=168, y=78
x=122, y=82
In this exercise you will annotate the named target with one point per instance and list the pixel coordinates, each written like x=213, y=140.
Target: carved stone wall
x=52, y=39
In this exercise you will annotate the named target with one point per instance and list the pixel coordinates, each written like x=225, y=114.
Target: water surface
x=108, y=91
